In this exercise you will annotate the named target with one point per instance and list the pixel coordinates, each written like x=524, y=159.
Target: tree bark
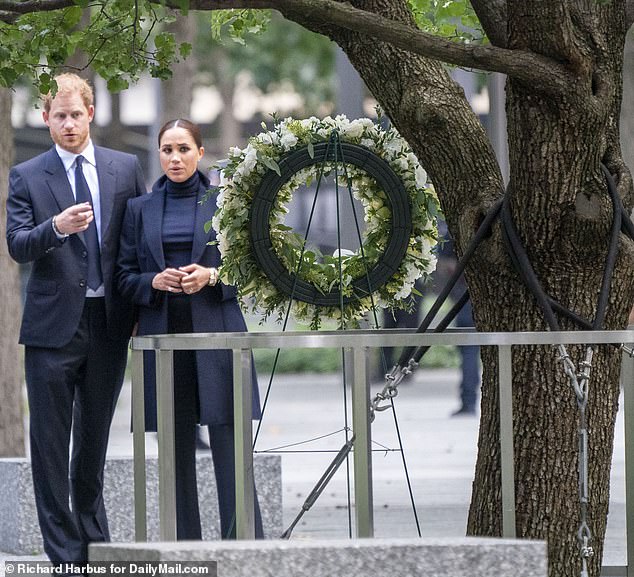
x=11, y=398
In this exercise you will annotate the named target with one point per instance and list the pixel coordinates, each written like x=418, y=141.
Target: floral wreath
x=241, y=180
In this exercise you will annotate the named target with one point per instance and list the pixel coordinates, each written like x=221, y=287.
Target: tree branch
x=492, y=16
x=539, y=71
x=29, y=6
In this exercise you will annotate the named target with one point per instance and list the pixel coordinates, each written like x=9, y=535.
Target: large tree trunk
x=11, y=401
x=560, y=205
x=561, y=208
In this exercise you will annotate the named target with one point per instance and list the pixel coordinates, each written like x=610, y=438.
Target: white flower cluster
x=240, y=181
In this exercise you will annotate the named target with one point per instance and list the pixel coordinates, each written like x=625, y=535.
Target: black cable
x=523, y=266
x=483, y=231
x=621, y=223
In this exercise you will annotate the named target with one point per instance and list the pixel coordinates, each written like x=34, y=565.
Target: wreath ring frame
x=263, y=202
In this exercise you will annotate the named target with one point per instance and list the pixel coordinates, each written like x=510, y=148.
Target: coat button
x=84, y=253
x=82, y=283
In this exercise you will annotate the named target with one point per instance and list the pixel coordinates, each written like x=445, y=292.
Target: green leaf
x=184, y=7
x=72, y=16
x=271, y=164
x=185, y=49
x=116, y=84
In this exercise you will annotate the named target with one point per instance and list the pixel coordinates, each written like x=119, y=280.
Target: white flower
x=393, y=147
x=222, y=243
x=353, y=130
x=250, y=159
x=288, y=140
x=344, y=252
x=420, y=176
x=215, y=220
x=225, y=180
x=266, y=138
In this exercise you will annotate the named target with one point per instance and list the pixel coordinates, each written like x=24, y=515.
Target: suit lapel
x=152, y=215
x=57, y=180
x=204, y=212
x=107, y=186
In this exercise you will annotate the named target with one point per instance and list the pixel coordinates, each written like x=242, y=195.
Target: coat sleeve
x=133, y=283
x=26, y=239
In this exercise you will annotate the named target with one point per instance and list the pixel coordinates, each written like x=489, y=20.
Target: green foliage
x=298, y=360
x=238, y=24
x=122, y=39
x=453, y=19
x=118, y=39
x=329, y=360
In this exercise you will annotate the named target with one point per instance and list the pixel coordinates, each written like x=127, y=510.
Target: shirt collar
x=68, y=158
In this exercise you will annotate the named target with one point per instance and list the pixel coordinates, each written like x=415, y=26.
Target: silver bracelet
x=58, y=234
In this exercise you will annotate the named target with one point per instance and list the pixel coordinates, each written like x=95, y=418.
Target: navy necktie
x=82, y=194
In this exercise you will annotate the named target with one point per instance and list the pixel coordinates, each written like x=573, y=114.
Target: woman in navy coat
x=167, y=267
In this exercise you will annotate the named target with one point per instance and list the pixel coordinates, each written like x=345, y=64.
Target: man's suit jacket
x=39, y=190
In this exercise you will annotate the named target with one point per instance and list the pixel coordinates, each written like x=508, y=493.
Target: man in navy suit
x=64, y=214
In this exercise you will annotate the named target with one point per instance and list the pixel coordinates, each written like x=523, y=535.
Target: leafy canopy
x=121, y=39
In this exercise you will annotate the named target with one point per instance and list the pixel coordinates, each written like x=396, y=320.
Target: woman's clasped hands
x=185, y=279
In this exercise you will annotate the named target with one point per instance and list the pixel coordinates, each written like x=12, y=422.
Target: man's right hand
x=75, y=218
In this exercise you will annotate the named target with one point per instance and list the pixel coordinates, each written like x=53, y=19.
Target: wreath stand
x=340, y=153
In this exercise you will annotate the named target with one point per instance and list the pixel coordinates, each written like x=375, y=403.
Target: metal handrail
x=242, y=345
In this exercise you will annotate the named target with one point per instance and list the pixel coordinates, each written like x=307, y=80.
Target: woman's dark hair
x=188, y=125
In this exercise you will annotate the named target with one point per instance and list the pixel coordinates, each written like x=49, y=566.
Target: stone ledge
x=19, y=529
x=459, y=557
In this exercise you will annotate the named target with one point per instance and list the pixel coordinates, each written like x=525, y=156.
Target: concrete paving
x=439, y=450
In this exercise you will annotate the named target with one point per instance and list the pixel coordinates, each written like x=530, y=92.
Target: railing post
x=138, y=447
x=243, y=427
x=362, y=444
x=166, y=461
x=507, y=457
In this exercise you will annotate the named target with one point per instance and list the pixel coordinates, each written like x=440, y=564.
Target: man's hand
x=75, y=218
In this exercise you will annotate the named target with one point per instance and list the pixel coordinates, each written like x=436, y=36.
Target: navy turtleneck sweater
x=178, y=220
